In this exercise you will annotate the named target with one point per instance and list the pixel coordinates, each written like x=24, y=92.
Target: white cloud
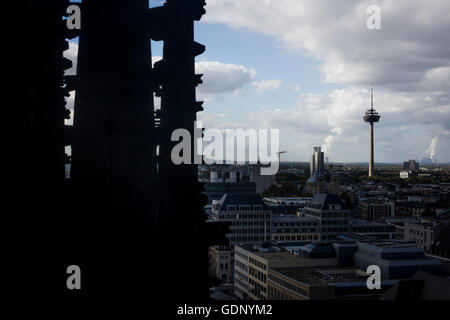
x=266, y=85
x=413, y=40
x=334, y=121
x=408, y=60
x=220, y=77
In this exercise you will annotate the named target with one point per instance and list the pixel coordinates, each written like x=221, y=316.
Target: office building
x=250, y=224
x=425, y=231
x=294, y=228
x=397, y=260
x=377, y=229
x=253, y=263
x=373, y=209
x=319, y=283
x=332, y=214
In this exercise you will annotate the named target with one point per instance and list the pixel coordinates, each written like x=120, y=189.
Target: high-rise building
x=317, y=158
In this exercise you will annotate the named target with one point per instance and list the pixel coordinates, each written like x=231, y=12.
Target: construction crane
x=279, y=155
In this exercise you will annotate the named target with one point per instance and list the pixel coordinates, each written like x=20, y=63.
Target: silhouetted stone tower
x=371, y=116
x=141, y=215
x=128, y=216
x=182, y=199
x=34, y=173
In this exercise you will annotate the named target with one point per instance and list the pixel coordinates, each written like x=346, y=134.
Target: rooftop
x=324, y=200
x=323, y=276
x=241, y=199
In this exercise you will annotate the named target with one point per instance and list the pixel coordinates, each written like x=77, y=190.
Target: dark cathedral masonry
x=128, y=217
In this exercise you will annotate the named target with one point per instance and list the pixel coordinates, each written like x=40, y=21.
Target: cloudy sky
x=305, y=67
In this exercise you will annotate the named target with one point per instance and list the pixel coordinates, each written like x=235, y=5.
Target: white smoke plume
x=431, y=151
x=328, y=143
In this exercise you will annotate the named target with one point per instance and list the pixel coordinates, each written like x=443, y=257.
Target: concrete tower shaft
x=371, y=117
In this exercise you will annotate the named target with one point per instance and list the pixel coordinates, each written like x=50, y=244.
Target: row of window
x=247, y=231
x=335, y=214
x=293, y=224
x=240, y=265
x=237, y=253
x=335, y=230
x=234, y=216
x=300, y=290
x=335, y=222
x=256, y=289
x=303, y=230
x=257, y=263
x=246, y=224
x=224, y=266
x=374, y=229
x=275, y=294
x=244, y=207
x=257, y=274
x=296, y=237
x=246, y=239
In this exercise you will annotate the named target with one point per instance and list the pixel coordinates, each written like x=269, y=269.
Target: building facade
x=253, y=264
x=332, y=214
x=317, y=161
x=374, y=209
x=295, y=228
x=250, y=224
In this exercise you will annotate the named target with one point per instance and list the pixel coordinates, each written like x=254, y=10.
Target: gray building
x=334, y=217
x=411, y=165
x=374, y=209
x=263, y=182
x=249, y=216
x=397, y=260
x=380, y=230
x=426, y=231
x=216, y=190
x=294, y=228
x=250, y=224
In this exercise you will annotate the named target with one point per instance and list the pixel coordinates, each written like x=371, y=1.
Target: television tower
x=371, y=116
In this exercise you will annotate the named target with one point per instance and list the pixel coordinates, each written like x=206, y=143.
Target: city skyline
x=314, y=89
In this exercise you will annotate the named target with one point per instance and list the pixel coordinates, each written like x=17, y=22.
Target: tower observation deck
x=371, y=116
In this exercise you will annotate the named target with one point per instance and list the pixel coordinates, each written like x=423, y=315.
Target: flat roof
x=317, y=276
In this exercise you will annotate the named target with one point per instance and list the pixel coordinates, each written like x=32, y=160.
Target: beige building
x=252, y=265
x=312, y=283
x=250, y=224
x=221, y=263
